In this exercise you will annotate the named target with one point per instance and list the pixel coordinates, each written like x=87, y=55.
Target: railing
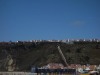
x=17, y=73
x=29, y=73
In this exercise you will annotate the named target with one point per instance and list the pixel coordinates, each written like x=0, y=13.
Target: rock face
x=10, y=64
x=7, y=64
x=22, y=56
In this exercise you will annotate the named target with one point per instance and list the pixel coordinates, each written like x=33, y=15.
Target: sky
x=49, y=19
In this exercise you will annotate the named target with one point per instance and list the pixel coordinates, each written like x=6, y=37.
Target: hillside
x=28, y=54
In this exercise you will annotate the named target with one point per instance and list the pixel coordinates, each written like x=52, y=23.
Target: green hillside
x=28, y=54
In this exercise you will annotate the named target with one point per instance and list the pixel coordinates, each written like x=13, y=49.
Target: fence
x=25, y=73
x=17, y=73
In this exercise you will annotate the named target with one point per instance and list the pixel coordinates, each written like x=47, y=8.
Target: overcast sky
x=49, y=19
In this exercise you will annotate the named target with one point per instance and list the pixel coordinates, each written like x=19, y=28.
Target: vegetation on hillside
x=28, y=54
